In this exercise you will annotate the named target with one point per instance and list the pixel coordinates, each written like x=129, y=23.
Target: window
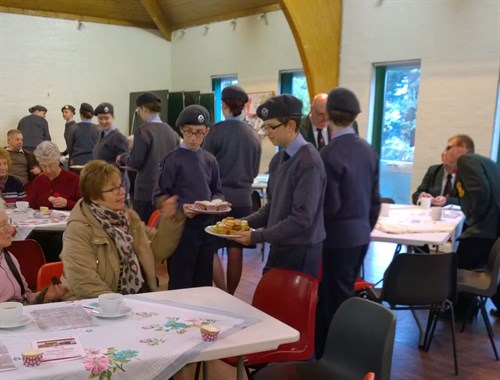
x=394, y=123
x=295, y=83
x=218, y=84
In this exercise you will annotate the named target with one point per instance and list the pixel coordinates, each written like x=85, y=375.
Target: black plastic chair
x=481, y=285
x=423, y=282
x=360, y=340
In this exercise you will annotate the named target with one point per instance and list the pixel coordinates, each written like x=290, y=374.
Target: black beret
x=342, y=99
x=234, y=92
x=194, y=115
x=280, y=106
x=147, y=97
x=86, y=107
x=104, y=108
x=68, y=107
x=38, y=107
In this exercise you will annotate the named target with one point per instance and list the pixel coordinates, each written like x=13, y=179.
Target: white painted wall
x=254, y=51
x=50, y=62
x=458, y=42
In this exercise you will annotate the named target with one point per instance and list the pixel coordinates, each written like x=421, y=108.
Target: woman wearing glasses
x=106, y=246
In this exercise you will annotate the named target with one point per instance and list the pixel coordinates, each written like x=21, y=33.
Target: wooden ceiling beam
x=158, y=17
x=77, y=17
x=316, y=26
x=227, y=16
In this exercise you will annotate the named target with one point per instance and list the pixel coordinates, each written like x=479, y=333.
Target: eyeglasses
x=449, y=147
x=6, y=226
x=269, y=128
x=116, y=189
x=189, y=133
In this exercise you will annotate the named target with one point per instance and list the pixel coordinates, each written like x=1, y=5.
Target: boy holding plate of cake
x=191, y=174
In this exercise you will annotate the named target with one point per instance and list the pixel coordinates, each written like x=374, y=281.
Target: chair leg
x=431, y=327
x=450, y=304
x=470, y=310
x=482, y=301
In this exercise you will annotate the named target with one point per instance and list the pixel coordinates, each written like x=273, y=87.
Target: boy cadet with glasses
x=292, y=219
x=191, y=174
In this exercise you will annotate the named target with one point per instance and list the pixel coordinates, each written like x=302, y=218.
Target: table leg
x=205, y=370
x=240, y=369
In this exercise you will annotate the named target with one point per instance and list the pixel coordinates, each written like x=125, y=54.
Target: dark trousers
x=51, y=243
x=340, y=270
x=473, y=253
x=144, y=209
x=191, y=264
x=302, y=258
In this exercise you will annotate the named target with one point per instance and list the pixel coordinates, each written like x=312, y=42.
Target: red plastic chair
x=31, y=257
x=153, y=219
x=290, y=297
x=46, y=272
x=369, y=376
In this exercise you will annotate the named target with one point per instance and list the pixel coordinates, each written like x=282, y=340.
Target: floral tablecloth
x=154, y=341
x=26, y=221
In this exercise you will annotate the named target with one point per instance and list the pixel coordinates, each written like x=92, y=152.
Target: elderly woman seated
x=11, y=187
x=13, y=286
x=55, y=188
x=106, y=247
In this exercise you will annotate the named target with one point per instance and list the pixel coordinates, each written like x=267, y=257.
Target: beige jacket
x=91, y=260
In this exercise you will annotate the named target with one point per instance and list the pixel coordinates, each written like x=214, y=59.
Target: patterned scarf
x=116, y=225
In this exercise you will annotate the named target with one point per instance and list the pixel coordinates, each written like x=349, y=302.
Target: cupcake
x=209, y=333
x=32, y=357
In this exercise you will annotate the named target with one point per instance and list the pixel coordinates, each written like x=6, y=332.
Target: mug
x=436, y=213
x=111, y=303
x=22, y=205
x=10, y=313
x=384, y=209
x=424, y=202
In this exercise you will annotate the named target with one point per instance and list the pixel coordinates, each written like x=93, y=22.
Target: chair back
x=361, y=339
x=290, y=297
x=46, y=272
x=30, y=256
x=420, y=279
x=493, y=268
x=153, y=219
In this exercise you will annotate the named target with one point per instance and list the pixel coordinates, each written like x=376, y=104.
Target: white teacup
x=424, y=203
x=436, y=213
x=10, y=313
x=111, y=303
x=385, y=209
x=22, y=205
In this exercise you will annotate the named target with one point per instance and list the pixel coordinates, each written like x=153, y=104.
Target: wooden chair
x=31, y=257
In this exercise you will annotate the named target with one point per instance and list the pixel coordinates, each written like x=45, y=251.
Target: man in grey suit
x=314, y=127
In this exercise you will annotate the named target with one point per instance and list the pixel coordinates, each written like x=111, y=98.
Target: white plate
x=97, y=312
x=209, y=230
x=192, y=208
x=24, y=320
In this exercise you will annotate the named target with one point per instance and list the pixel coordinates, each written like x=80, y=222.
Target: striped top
x=12, y=190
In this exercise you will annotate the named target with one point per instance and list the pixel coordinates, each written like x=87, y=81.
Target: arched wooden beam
x=316, y=27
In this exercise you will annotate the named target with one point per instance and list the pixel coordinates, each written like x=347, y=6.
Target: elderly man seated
x=24, y=165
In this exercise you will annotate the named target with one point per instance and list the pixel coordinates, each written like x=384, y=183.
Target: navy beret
x=342, y=99
x=234, y=92
x=193, y=115
x=280, y=106
x=147, y=97
x=38, y=107
x=86, y=107
x=104, y=108
x=68, y=107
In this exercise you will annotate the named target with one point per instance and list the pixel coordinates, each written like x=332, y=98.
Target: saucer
x=24, y=320
x=97, y=312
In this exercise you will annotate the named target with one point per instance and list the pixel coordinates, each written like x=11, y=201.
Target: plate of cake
x=228, y=227
x=217, y=206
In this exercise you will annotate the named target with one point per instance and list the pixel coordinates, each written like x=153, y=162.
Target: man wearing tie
x=438, y=184
x=314, y=127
